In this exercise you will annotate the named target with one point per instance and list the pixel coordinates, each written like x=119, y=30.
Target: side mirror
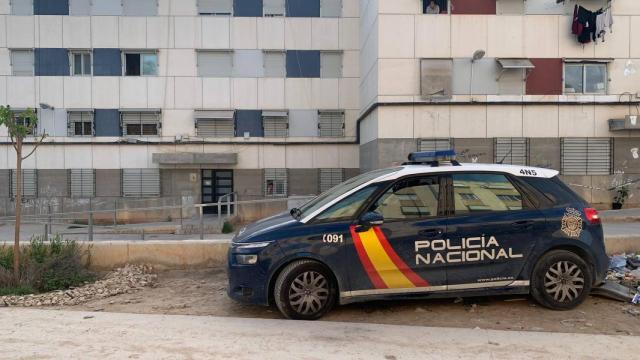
x=371, y=218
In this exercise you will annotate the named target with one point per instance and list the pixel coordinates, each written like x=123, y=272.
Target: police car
x=427, y=229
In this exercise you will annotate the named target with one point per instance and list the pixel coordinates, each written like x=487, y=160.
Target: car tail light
x=592, y=216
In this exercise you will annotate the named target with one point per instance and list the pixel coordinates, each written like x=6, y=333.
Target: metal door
x=215, y=184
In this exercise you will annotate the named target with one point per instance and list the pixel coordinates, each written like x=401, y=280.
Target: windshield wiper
x=296, y=213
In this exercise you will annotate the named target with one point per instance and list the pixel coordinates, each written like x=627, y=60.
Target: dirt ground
x=203, y=293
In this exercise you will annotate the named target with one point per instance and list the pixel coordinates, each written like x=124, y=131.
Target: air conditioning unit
x=630, y=122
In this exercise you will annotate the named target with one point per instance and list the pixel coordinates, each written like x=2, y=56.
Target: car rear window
x=555, y=190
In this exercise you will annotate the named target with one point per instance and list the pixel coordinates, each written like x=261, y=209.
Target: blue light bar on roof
x=432, y=156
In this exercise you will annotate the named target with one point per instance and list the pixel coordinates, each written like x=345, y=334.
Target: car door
x=492, y=231
x=384, y=258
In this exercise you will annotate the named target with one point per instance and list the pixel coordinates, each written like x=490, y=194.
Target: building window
x=22, y=121
x=331, y=64
x=586, y=156
x=21, y=7
x=80, y=63
x=215, y=63
x=273, y=8
x=435, y=144
x=215, y=7
x=140, y=182
x=275, y=64
x=330, y=8
x=140, y=63
x=435, y=7
x=275, y=123
x=331, y=123
x=587, y=78
x=275, y=182
x=140, y=7
x=80, y=123
x=215, y=123
x=330, y=178
x=140, y=123
x=22, y=62
x=514, y=151
x=29, y=183
x=82, y=183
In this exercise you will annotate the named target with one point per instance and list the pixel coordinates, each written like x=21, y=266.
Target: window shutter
x=82, y=183
x=436, y=78
x=140, y=123
x=275, y=183
x=106, y=7
x=80, y=7
x=22, y=62
x=140, y=7
x=29, y=183
x=330, y=178
x=330, y=8
x=586, y=156
x=512, y=151
x=331, y=64
x=21, y=7
x=215, y=63
x=434, y=144
x=274, y=64
x=215, y=127
x=275, y=123
x=215, y=7
x=140, y=182
x=331, y=123
x=273, y=7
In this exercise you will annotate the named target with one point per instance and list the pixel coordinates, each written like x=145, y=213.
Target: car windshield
x=340, y=189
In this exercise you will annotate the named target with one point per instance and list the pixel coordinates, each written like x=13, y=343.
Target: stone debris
x=624, y=269
x=126, y=280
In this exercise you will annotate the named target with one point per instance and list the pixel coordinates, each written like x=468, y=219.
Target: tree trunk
x=18, y=200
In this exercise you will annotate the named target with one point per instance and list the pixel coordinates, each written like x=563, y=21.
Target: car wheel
x=561, y=280
x=305, y=290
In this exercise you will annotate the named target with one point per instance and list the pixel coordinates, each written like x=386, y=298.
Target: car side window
x=410, y=199
x=347, y=207
x=484, y=192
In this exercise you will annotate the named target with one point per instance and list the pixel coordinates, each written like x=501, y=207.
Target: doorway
x=215, y=184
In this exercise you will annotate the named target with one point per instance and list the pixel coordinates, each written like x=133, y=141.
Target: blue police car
x=430, y=228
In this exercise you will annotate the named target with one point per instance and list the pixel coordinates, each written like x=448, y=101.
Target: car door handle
x=430, y=233
x=523, y=224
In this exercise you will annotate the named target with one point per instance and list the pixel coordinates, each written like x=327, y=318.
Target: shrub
x=227, y=228
x=44, y=266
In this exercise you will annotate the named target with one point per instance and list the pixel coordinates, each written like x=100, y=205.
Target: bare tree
x=19, y=127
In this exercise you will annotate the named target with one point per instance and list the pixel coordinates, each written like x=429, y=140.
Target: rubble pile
x=625, y=270
x=128, y=279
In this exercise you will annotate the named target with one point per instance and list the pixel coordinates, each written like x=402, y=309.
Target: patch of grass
x=19, y=291
x=44, y=266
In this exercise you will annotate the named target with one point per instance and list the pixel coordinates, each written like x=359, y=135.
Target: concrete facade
x=396, y=38
x=249, y=66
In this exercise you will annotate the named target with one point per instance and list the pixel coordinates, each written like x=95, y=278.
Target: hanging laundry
x=576, y=26
x=604, y=23
x=587, y=19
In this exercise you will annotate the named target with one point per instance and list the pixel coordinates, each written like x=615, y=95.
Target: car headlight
x=255, y=245
x=243, y=259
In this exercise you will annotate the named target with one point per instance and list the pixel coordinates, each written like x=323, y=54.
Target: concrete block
x=303, y=181
x=108, y=182
x=52, y=183
x=625, y=155
x=249, y=183
x=181, y=182
x=544, y=152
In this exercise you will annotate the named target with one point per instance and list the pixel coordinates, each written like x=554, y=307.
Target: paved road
x=622, y=229
x=63, y=334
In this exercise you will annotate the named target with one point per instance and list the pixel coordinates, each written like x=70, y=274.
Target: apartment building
x=503, y=81
x=193, y=99
x=181, y=98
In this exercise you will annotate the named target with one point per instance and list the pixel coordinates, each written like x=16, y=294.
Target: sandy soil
x=203, y=293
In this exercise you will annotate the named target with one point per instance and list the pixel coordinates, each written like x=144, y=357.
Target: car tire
x=561, y=280
x=305, y=290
